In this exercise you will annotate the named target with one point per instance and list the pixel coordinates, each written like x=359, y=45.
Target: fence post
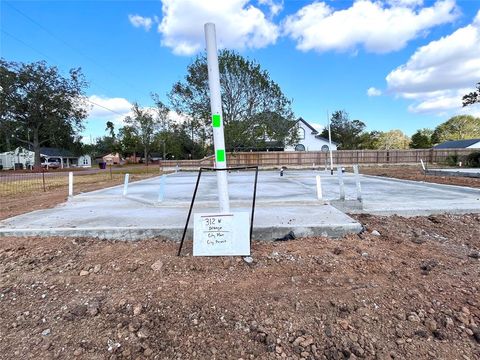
x=70, y=183
x=125, y=184
x=43, y=180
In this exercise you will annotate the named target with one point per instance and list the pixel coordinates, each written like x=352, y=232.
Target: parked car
x=51, y=163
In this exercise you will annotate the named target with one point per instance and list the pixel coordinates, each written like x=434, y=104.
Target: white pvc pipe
x=217, y=117
x=357, y=181
x=161, y=190
x=70, y=183
x=125, y=184
x=423, y=165
x=319, y=188
x=330, y=144
x=340, y=183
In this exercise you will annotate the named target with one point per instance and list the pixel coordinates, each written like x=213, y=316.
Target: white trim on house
x=309, y=139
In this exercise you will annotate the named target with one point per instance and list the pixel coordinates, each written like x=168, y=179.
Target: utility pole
x=330, y=144
x=217, y=117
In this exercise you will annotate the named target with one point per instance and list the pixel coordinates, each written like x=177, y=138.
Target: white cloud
x=410, y=3
x=239, y=25
x=374, y=91
x=274, y=6
x=438, y=74
x=378, y=26
x=140, y=21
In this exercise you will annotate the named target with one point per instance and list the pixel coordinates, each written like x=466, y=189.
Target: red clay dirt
x=409, y=292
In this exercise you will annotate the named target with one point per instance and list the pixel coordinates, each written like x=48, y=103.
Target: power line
x=69, y=46
x=43, y=54
x=53, y=60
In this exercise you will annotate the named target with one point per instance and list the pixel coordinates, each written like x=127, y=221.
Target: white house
x=309, y=139
x=459, y=144
x=20, y=155
x=63, y=158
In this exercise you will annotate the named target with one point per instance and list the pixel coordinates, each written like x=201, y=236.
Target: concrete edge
x=268, y=233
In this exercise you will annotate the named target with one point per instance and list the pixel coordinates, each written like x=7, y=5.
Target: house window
x=85, y=161
x=299, y=147
x=301, y=133
x=325, y=148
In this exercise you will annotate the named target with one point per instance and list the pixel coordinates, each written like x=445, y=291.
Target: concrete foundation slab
x=284, y=204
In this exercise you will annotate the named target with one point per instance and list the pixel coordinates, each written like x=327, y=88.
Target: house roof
x=49, y=151
x=314, y=131
x=457, y=144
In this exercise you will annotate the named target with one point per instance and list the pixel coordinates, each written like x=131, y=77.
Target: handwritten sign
x=221, y=234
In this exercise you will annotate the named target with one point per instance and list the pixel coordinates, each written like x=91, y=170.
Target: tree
x=247, y=91
x=110, y=128
x=344, y=131
x=422, y=139
x=369, y=140
x=145, y=125
x=473, y=97
x=43, y=106
x=393, y=139
x=457, y=128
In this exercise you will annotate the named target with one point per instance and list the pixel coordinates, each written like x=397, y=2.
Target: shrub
x=473, y=159
x=451, y=160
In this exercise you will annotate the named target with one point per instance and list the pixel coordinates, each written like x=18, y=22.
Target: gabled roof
x=457, y=144
x=314, y=131
x=49, y=151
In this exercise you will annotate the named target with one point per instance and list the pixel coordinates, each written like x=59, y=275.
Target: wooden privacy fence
x=319, y=158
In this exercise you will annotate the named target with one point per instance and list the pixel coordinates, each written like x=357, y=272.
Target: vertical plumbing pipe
x=319, y=188
x=340, y=182
x=70, y=183
x=161, y=190
x=357, y=181
x=125, y=184
x=217, y=117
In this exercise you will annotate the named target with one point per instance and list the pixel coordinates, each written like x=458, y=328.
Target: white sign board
x=221, y=234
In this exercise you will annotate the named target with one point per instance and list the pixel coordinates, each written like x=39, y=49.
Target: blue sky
x=417, y=57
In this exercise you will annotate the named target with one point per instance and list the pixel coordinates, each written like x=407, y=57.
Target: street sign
x=221, y=234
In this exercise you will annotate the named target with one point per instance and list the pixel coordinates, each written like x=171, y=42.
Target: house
x=64, y=157
x=109, y=159
x=25, y=158
x=309, y=139
x=15, y=159
x=459, y=144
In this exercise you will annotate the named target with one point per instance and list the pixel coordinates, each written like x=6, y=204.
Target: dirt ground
x=21, y=203
x=409, y=172
x=409, y=290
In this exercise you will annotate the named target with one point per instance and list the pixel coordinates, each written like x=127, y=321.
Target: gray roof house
x=459, y=144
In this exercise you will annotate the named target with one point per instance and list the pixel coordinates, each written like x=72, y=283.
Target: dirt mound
x=406, y=288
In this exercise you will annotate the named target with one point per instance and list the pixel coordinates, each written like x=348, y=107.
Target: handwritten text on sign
x=221, y=234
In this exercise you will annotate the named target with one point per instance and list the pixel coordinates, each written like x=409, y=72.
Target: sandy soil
x=410, y=291
x=414, y=173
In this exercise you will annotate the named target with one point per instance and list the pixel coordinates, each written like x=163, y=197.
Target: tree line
x=41, y=107
x=351, y=134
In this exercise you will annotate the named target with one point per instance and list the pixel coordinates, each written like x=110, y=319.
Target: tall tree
x=246, y=90
x=472, y=97
x=145, y=125
x=422, y=139
x=393, y=139
x=344, y=131
x=44, y=106
x=457, y=128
